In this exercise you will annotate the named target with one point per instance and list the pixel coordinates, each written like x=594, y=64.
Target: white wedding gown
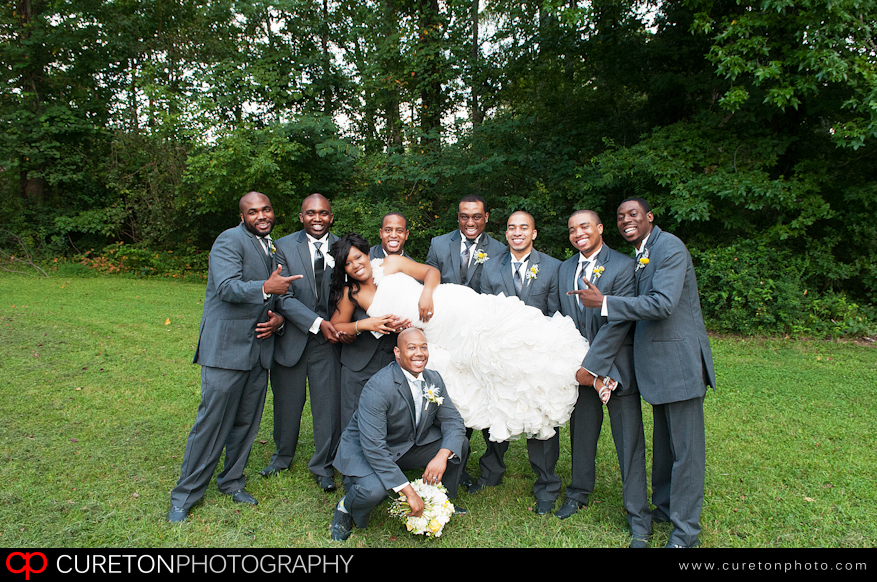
x=505, y=365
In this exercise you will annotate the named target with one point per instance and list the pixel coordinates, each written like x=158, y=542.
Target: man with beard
x=235, y=349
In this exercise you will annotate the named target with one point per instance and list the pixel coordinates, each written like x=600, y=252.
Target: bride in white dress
x=506, y=366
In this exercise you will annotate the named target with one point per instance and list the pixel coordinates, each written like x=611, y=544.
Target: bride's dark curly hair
x=340, y=250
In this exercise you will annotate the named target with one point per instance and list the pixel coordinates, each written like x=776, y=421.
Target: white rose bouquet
x=437, y=509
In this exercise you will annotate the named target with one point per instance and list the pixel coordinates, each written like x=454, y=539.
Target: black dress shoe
x=460, y=510
x=465, y=480
x=272, y=470
x=639, y=542
x=476, y=487
x=326, y=483
x=177, y=514
x=544, y=506
x=342, y=523
x=568, y=508
x=241, y=496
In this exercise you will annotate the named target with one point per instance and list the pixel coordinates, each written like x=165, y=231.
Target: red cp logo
x=26, y=568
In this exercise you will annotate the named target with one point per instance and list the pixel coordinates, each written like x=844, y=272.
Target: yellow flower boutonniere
x=432, y=394
x=271, y=247
x=643, y=260
x=481, y=256
x=598, y=272
x=532, y=272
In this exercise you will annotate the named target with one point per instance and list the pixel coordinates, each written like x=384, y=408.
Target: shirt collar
x=523, y=261
x=411, y=377
x=323, y=239
x=642, y=246
x=475, y=242
x=584, y=259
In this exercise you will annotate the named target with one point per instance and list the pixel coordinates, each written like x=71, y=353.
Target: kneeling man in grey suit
x=394, y=429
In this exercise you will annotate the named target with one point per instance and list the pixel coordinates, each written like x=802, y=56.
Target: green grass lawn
x=99, y=393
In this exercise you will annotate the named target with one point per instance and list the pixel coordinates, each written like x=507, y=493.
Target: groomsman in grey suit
x=673, y=363
x=235, y=347
x=609, y=360
x=394, y=233
x=460, y=255
x=394, y=429
x=523, y=272
x=306, y=356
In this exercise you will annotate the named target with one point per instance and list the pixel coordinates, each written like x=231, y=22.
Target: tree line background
x=131, y=128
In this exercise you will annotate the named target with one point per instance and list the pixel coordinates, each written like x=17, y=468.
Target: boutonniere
x=532, y=272
x=431, y=393
x=642, y=261
x=271, y=248
x=481, y=256
x=598, y=271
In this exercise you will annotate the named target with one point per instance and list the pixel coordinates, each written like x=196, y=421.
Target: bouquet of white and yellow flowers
x=437, y=509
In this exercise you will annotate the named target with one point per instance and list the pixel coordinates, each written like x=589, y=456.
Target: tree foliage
x=743, y=122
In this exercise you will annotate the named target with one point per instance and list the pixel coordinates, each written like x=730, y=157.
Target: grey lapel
x=257, y=245
x=304, y=253
x=653, y=238
x=453, y=253
x=602, y=260
x=569, y=283
x=405, y=391
x=505, y=269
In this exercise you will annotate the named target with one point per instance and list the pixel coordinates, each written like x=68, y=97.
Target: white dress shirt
x=328, y=260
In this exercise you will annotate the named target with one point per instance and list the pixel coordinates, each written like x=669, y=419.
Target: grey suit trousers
x=679, y=466
x=317, y=371
x=228, y=418
x=625, y=417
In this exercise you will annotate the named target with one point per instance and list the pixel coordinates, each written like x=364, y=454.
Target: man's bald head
x=252, y=198
x=412, y=351
x=257, y=213
x=410, y=334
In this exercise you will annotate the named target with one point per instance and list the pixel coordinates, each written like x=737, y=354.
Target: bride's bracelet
x=356, y=327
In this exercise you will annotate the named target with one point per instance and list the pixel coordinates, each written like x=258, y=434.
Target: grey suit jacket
x=444, y=255
x=383, y=429
x=234, y=304
x=299, y=304
x=539, y=292
x=377, y=252
x=611, y=342
x=672, y=352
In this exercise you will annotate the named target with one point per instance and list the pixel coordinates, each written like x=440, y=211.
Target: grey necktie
x=319, y=267
x=464, y=260
x=583, y=271
x=517, y=276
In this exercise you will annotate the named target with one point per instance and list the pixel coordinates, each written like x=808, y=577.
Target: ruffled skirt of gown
x=506, y=366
